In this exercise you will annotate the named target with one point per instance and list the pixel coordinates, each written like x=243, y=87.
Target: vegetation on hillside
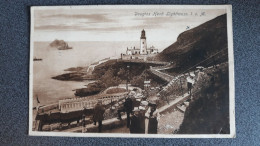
x=113, y=73
x=208, y=111
x=196, y=45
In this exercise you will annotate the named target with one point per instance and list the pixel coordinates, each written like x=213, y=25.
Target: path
x=157, y=71
x=142, y=61
x=115, y=121
x=90, y=126
x=162, y=75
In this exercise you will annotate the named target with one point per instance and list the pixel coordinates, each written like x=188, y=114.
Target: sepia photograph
x=154, y=71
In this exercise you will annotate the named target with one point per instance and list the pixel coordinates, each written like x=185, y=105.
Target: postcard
x=151, y=71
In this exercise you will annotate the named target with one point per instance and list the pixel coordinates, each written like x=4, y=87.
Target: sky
x=118, y=24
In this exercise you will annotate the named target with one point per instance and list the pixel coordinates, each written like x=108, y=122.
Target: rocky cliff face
x=197, y=44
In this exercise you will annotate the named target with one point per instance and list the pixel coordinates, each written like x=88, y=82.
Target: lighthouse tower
x=143, y=45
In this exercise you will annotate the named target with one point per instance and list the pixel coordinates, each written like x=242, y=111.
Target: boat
x=37, y=59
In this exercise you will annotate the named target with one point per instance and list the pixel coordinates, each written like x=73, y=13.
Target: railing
x=178, y=85
x=142, y=61
x=167, y=66
x=68, y=105
x=162, y=75
x=49, y=107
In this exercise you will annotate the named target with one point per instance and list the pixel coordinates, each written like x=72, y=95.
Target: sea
x=55, y=61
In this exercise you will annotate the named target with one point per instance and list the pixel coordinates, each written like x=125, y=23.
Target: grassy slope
x=113, y=73
x=197, y=44
x=208, y=112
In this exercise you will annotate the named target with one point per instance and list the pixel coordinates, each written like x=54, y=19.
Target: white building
x=143, y=47
x=143, y=44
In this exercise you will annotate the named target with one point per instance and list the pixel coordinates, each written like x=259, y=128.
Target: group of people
x=98, y=116
x=145, y=121
x=141, y=115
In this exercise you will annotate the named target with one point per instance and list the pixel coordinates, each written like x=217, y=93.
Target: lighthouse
x=143, y=45
x=143, y=52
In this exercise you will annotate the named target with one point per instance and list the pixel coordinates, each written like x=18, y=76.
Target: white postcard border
x=230, y=63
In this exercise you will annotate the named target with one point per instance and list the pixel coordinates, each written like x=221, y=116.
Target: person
x=200, y=78
x=152, y=118
x=98, y=113
x=128, y=108
x=190, y=82
x=136, y=122
x=38, y=103
x=200, y=74
x=83, y=123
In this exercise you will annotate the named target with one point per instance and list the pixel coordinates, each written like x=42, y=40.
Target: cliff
x=197, y=44
x=208, y=112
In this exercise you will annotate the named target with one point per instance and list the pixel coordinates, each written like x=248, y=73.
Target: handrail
x=182, y=74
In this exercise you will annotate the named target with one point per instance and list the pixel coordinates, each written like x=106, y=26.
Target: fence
x=49, y=107
x=162, y=75
x=164, y=67
x=69, y=105
x=178, y=85
x=143, y=61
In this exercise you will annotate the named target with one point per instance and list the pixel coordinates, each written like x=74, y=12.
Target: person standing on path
x=200, y=78
x=151, y=121
x=135, y=122
x=83, y=123
x=128, y=108
x=98, y=114
x=200, y=74
x=190, y=82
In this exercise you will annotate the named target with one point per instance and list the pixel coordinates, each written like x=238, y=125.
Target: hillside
x=208, y=112
x=113, y=73
x=197, y=44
